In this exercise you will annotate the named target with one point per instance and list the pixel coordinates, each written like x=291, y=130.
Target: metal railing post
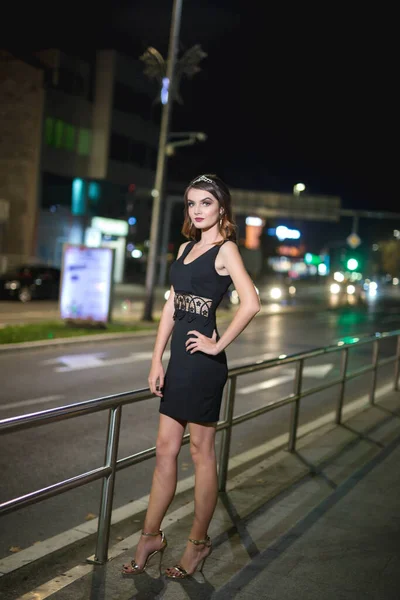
x=375, y=359
x=397, y=366
x=111, y=455
x=226, y=434
x=294, y=418
x=344, y=359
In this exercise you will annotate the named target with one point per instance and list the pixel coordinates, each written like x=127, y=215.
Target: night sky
x=287, y=93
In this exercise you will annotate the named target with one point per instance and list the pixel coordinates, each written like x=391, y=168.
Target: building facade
x=79, y=139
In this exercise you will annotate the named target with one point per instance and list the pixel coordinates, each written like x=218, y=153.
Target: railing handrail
x=114, y=404
x=76, y=409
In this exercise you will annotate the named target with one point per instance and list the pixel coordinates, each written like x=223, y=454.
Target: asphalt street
x=41, y=379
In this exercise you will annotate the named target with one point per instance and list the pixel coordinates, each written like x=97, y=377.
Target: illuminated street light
x=298, y=188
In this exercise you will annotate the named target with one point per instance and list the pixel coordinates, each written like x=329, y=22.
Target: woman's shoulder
x=182, y=248
x=229, y=246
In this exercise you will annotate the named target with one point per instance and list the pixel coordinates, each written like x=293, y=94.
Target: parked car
x=29, y=282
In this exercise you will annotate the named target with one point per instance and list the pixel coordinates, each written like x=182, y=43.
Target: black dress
x=194, y=383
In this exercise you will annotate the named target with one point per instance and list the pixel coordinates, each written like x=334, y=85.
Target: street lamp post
x=161, y=159
x=191, y=138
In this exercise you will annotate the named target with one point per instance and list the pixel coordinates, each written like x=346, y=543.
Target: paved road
x=50, y=377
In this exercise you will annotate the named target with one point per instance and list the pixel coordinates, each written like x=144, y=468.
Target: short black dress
x=194, y=383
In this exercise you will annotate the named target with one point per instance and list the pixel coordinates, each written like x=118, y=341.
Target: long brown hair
x=215, y=186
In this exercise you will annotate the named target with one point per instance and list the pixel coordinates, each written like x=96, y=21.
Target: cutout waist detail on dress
x=190, y=303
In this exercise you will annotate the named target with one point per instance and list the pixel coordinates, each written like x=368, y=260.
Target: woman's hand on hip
x=156, y=379
x=202, y=343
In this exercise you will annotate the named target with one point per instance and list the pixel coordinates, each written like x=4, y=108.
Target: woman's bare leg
x=202, y=448
x=169, y=440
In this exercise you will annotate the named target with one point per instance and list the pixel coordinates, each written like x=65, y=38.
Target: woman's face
x=203, y=208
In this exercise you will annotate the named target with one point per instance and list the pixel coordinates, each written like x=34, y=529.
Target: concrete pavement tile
x=332, y=437
x=356, y=455
x=271, y=586
x=327, y=541
x=353, y=570
x=392, y=569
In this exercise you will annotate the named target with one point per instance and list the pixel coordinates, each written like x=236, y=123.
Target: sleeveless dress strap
x=186, y=251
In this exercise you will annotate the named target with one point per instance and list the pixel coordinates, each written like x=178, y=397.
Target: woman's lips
x=199, y=219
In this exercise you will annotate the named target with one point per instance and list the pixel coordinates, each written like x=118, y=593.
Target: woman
x=191, y=390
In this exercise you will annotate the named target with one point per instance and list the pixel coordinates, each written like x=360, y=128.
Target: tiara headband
x=203, y=178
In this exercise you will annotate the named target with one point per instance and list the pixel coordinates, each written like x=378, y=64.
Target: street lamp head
x=201, y=137
x=299, y=187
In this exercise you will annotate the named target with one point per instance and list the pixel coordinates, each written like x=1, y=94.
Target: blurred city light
x=335, y=288
x=136, y=253
x=351, y=289
x=132, y=220
x=338, y=276
x=282, y=233
x=164, y=90
x=276, y=293
x=298, y=188
x=352, y=264
x=254, y=221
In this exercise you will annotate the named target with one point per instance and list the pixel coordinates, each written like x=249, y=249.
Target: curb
x=109, y=337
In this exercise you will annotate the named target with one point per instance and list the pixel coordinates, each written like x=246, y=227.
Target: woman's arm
x=166, y=324
x=249, y=300
x=165, y=327
x=249, y=304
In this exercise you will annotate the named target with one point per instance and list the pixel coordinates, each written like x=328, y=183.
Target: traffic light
x=352, y=264
x=312, y=259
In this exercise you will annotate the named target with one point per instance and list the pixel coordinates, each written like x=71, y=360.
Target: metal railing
x=115, y=402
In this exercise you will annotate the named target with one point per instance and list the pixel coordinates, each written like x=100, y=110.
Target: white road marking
x=238, y=362
x=265, y=385
x=30, y=402
x=317, y=371
x=75, y=359
x=80, y=362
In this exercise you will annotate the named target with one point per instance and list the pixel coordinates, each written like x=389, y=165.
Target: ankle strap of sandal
x=206, y=541
x=159, y=532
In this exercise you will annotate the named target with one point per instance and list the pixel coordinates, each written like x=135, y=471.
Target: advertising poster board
x=86, y=284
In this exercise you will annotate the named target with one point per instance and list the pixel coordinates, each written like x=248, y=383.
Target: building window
x=58, y=134
x=124, y=149
x=130, y=101
x=49, y=131
x=69, y=137
x=84, y=142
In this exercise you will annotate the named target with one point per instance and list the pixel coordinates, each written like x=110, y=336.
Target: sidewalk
x=322, y=523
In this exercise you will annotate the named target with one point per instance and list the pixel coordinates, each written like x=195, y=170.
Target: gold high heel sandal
x=181, y=573
x=135, y=569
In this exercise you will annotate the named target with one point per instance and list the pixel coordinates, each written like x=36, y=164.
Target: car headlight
x=276, y=293
x=234, y=297
x=12, y=285
x=335, y=288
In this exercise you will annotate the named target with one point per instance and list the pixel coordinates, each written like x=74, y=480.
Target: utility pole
x=157, y=192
